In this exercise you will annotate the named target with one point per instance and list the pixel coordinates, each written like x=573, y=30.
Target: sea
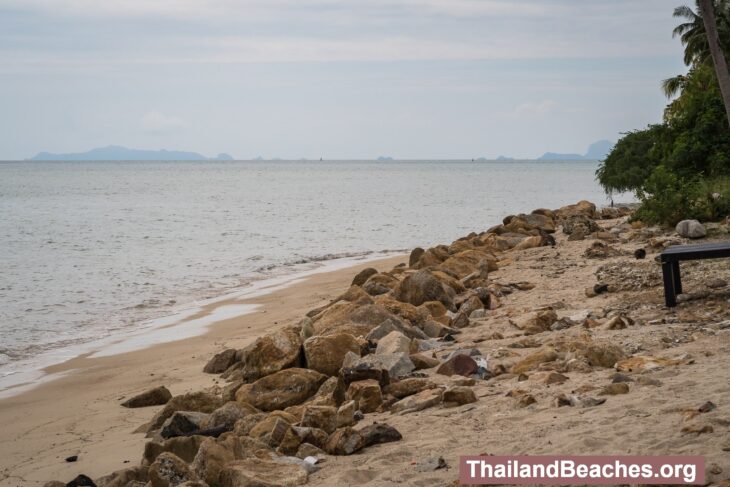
x=94, y=251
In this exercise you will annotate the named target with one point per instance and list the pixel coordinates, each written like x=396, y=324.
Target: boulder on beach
x=325, y=353
x=422, y=286
x=271, y=353
x=362, y=276
x=690, y=229
x=220, y=362
x=282, y=389
x=153, y=397
x=201, y=402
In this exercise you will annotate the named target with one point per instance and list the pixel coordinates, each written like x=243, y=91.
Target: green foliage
x=631, y=161
x=668, y=198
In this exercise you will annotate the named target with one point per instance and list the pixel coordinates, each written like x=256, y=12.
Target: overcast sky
x=331, y=78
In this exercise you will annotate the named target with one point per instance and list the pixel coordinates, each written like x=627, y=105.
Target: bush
x=668, y=198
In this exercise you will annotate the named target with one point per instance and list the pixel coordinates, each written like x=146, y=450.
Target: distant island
x=385, y=158
x=596, y=151
x=119, y=153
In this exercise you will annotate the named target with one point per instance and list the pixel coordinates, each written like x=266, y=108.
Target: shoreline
x=80, y=404
x=192, y=319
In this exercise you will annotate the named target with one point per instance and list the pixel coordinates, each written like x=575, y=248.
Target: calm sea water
x=89, y=249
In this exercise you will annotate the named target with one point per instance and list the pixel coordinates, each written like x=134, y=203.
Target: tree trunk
x=707, y=10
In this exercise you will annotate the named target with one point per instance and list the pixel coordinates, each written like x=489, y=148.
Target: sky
x=339, y=79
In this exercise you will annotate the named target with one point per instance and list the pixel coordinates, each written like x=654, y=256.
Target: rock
x=322, y=417
x=697, y=429
x=182, y=423
x=434, y=329
x=458, y=364
x=526, y=400
x=585, y=208
x=379, y=284
x=601, y=250
x=346, y=414
x=707, y=407
x=555, y=378
x=375, y=365
x=81, y=481
x=421, y=287
x=220, y=362
x=690, y=229
x=615, y=389
x=200, y=402
x=716, y=283
x=649, y=381
x=344, y=441
x=272, y=353
x=542, y=355
x=458, y=396
x=599, y=353
x=580, y=223
x=394, y=342
x=644, y=363
x=282, y=389
x=389, y=326
x=431, y=464
x=362, y=276
x=330, y=393
x=124, y=477
x=185, y=447
x=153, y=397
x=467, y=262
x=169, y=470
x=257, y=472
x=366, y=394
x=421, y=361
x=415, y=256
x=417, y=402
x=407, y=387
x=72, y=458
x=535, y=322
x=378, y=433
x=227, y=415
x=639, y=254
x=308, y=450
x=326, y=353
x=618, y=378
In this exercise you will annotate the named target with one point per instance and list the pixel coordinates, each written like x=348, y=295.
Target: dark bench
x=670, y=264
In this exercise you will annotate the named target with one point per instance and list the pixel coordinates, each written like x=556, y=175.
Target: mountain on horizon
x=119, y=153
x=596, y=151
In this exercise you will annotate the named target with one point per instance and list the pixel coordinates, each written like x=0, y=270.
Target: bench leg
x=669, y=295
x=676, y=278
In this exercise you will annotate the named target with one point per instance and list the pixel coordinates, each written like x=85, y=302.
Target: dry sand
x=79, y=413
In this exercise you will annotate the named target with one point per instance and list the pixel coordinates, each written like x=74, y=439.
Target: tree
x=707, y=10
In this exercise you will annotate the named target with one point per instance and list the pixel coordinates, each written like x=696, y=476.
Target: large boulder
x=580, y=224
x=220, y=362
x=531, y=361
x=584, y=208
x=153, y=397
x=690, y=229
x=422, y=286
x=380, y=283
x=418, y=402
x=394, y=342
x=227, y=415
x=431, y=257
x=529, y=224
x=124, y=477
x=282, y=389
x=201, y=402
x=411, y=314
x=325, y=353
x=183, y=423
x=271, y=353
x=376, y=365
x=344, y=317
x=366, y=394
x=169, y=470
x=215, y=453
x=185, y=447
x=363, y=276
x=464, y=263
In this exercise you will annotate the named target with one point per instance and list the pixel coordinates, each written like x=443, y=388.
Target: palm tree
x=707, y=10
x=692, y=32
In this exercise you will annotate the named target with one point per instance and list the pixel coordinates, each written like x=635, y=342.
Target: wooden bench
x=671, y=257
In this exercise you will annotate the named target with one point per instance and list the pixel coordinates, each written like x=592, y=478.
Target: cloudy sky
x=332, y=78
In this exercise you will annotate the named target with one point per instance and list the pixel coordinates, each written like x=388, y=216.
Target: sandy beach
x=79, y=412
